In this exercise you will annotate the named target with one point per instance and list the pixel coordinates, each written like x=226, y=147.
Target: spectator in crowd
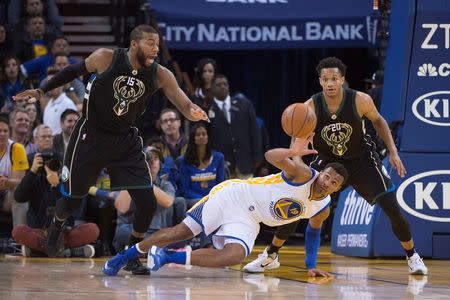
x=13, y=163
x=234, y=131
x=165, y=197
x=68, y=120
x=57, y=104
x=6, y=47
x=201, y=168
x=33, y=43
x=74, y=90
x=205, y=71
x=174, y=140
x=18, y=9
x=11, y=82
x=32, y=111
x=20, y=123
x=40, y=65
x=41, y=188
x=264, y=168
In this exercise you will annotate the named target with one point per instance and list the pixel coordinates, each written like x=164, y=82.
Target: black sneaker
x=136, y=267
x=86, y=251
x=55, y=245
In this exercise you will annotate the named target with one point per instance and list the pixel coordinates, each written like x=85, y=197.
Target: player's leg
x=161, y=238
x=131, y=172
x=269, y=258
x=374, y=185
x=81, y=168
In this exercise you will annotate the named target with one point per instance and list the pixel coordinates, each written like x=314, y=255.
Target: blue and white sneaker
x=156, y=258
x=113, y=265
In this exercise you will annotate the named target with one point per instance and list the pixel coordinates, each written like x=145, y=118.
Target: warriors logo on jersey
x=127, y=90
x=287, y=209
x=337, y=135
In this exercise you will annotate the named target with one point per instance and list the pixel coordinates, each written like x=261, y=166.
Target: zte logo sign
x=428, y=195
x=436, y=31
x=428, y=70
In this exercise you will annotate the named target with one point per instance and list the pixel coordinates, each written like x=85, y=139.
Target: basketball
x=298, y=120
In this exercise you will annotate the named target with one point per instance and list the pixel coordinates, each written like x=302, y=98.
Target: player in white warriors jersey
x=234, y=209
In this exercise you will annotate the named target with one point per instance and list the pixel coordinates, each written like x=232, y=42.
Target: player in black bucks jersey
x=340, y=137
x=118, y=93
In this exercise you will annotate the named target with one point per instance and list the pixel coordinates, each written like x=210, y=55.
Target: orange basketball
x=298, y=120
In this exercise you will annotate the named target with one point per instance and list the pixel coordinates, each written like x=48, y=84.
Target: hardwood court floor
x=355, y=278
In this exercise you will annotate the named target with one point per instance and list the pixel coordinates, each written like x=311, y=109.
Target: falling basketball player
x=340, y=137
x=234, y=209
x=117, y=94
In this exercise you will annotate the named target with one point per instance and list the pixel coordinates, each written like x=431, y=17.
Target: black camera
x=51, y=160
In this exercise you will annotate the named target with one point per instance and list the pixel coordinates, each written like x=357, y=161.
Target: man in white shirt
x=57, y=104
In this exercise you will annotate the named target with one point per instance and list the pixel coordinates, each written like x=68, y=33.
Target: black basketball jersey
x=118, y=96
x=340, y=135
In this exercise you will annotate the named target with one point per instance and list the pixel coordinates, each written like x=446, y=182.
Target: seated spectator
x=40, y=65
x=205, y=71
x=68, y=120
x=18, y=10
x=13, y=163
x=165, y=197
x=200, y=168
x=174, y=141
x=41, y=188
x=20, y=123
x=11, y=82
x=57, y=104
x=35, y=119
x=74, y=90
x=33, y=43
x=168, y=166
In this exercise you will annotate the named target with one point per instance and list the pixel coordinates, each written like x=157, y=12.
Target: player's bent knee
x=233, y=254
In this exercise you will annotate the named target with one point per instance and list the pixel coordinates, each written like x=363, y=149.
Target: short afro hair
x=331, y=62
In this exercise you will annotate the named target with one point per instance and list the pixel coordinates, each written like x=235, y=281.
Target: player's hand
x=30, y=96
x=319, y=273
x=299, y=147
x=396, y=162
x=198, y=114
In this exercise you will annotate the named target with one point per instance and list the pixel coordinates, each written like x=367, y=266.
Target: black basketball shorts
x=91, y=149
x=366, y=175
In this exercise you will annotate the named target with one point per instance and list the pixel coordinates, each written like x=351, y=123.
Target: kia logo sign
x=424, y=198
x=436, y=106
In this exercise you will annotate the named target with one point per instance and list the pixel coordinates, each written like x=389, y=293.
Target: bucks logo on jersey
x=127, y=90
x=337, y=136
x=287, y=209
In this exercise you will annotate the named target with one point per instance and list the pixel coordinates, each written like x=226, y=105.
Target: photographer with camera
x=40, y=187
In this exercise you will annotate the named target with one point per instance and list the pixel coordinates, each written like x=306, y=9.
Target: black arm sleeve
x=284, y=231
x=66, y=75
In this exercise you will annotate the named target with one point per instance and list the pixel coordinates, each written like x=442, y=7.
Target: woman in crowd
x=11, y=82
x=205, y=71
x=200, y=168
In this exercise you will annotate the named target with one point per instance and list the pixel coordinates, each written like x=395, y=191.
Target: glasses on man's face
x=171, y=120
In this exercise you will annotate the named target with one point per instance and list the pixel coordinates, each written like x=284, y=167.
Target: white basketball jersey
x=272, y=200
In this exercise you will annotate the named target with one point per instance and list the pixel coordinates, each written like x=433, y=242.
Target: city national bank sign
x=254, y=33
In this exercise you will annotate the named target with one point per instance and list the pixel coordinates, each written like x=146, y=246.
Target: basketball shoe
x=157, y=258
x=416, y=265
x=263, y=262
x=55, y=245
x=136, y=267
x=113, y=265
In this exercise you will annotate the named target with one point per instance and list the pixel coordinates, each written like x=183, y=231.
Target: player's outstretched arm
x=169, y=85
x=293, y=168
x=93, y=63
x=312, y=243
